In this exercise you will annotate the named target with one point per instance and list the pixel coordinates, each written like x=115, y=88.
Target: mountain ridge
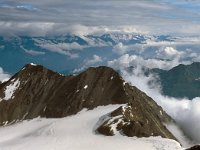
x=36, y=91
x=180, y=81
x=44, y=50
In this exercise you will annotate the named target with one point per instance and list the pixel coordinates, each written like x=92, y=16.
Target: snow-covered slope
x=75, y=132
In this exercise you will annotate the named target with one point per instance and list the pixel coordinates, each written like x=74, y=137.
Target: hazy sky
x=50, y=17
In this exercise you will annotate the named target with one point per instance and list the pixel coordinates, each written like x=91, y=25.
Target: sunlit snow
x=32, y=64
x=10, y=89
x=74, y=133
x=86, y=86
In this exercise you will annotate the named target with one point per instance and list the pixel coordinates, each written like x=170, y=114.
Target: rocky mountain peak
x=36, y=91
x=32, y=70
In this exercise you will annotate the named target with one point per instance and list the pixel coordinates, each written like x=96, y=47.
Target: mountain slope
x=36, y=91
x=42, y=92
x=181, y=81
x=75, y=133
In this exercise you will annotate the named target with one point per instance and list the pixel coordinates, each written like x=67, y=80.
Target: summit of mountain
x=37, y=91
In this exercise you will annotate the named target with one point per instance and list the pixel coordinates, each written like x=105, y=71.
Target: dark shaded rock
x=197, y=147
x=44, y=93
x=141, y=120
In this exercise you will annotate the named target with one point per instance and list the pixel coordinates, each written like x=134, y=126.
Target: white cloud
x=122, y=62
x=11, y=28
x=185, y=112
x=95, y=59
x=34, y=53
x=134, y=60
x=169, y=53
x=120, y=48
x=63, y=48
x=48, y=17
x=3, y=76
x=195, y=57
x=78, y=70
x=89, y=63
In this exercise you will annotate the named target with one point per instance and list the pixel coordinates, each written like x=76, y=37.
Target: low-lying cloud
x=32, y=52
x=89, y=62
x=120, y=48
x=3, y=76
x=63, y=48
x=127, y=60
x=169, y=53
x=95, y=59
x=185, y=112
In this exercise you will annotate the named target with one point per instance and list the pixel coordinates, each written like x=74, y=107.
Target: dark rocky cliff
x=196, y=147
x=36, y=91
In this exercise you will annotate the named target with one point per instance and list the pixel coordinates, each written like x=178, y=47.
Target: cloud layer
x=185, y=112
x=63, y=48
x=127, y=60
x=47, y=17
x=169, y=53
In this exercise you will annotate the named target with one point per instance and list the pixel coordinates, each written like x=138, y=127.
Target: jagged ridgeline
x=36, y=91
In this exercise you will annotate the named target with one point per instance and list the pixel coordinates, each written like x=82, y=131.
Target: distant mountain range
x=44, y=50
x=181, y=81
x=36, y=91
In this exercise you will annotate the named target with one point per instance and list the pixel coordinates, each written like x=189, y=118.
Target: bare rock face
x=197, y=147
x=141, y=117
x=36, y=91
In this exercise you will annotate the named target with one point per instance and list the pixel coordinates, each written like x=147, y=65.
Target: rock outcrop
x=196, y=147
x=141, y=117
